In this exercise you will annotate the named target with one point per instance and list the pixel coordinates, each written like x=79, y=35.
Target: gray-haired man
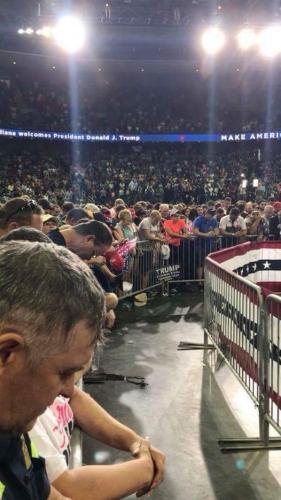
x=51, y=310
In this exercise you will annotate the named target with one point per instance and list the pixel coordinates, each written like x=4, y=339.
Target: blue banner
x=133, y=138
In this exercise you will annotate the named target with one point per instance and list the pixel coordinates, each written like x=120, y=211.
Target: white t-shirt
x=51, y=435
x=232, y=226
x=146, y=224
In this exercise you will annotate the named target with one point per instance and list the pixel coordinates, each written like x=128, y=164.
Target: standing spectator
x=126, y=228
x=150, y=234
x=175, y=228
x=68, y=205
x=275, y=221
x=232, y=227
x=176, y=233
x=149, y=228
x=248, y=208
x=140, y=214
x=46, y=205
x=206, y=228
x=254, y=223
x=263, y=228
x=20, y=212
x=219, y=214
x=164, y=210
x=117, y=202
x=227, y=202
x=75, y=215
x=49, y=223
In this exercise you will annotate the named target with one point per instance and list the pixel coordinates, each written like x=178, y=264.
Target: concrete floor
x=185, y=408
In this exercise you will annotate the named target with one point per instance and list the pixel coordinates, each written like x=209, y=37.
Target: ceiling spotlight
x=70, y=34
x=213, y=40
x=29, y=31
x=270, y=41
x=246, y=39
x=21, y=31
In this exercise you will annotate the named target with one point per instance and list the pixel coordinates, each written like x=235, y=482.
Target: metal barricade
x=272, y=353
x=233, y=321
x=143, y=269
x=190, y=254
x=246, y=331
x=150, y=267
x=187, y=259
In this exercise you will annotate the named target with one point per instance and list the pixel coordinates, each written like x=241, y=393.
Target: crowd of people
x=179, y=234
x=107, y=106
x=140, y=172
x=42, y=354
x=85, y=226
x=70, y=255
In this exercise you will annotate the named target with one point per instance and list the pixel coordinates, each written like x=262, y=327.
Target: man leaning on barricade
x=205, y=227
x=51, y=313
x=233, y=228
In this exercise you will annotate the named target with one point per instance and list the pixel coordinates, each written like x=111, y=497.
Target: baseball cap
x=47, y=217
x=140, y=300
x=91, y=207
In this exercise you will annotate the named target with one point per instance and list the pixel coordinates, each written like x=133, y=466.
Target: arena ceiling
x=127, y=34
x=151, y=12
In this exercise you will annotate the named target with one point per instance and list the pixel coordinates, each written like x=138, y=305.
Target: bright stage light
x=270, y=41
x=213, y=40
x=29, y=31
x=246, y=39
x=21, y=31
x=70, y=34
x=46, y=31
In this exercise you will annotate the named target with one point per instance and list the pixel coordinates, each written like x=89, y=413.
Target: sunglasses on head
x=29, y=205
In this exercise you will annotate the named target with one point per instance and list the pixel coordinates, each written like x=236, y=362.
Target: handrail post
x=263, y=348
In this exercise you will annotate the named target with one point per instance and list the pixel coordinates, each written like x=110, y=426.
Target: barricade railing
x=273, y=361
x=142, y=268
x=246, y=331
x=151, y=265
x=233, y=321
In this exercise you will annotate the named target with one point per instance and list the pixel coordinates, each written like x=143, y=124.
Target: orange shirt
x=176, y=226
